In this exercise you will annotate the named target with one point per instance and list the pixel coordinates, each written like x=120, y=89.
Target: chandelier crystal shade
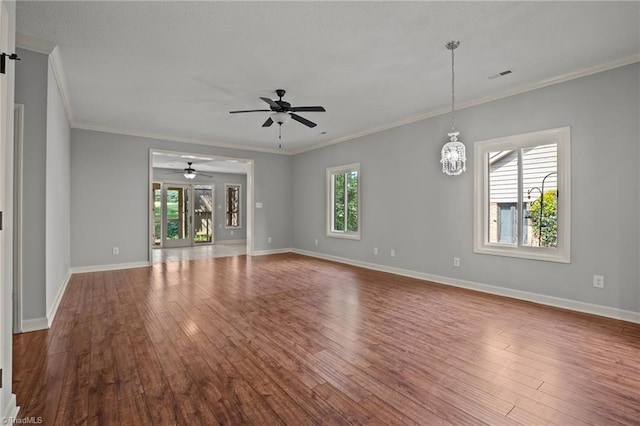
x=453, y=154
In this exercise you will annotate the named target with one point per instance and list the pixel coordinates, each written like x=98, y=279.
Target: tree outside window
x=343, y=216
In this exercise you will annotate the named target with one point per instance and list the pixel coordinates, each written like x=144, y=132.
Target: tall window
x=232, y=192
x=523, y=196
x=343, y=201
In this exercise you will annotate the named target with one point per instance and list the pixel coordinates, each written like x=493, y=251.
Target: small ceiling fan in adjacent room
x=190, y=173
x=283, y=111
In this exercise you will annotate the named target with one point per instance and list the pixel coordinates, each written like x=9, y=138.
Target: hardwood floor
x=287, y=339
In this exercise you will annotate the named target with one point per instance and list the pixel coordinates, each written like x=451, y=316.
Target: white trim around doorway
x=250, y=196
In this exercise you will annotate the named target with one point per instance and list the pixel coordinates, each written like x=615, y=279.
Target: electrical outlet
x=456, y=262
x=598, y=281
x=315, y=241
x=375, y=251
x=115, y=250
x=393, y=253
x=268, y=239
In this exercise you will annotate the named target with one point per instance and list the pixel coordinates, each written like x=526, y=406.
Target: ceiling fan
x=190, y=172
x=283, y=111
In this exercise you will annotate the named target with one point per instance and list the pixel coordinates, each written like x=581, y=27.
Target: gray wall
x=6, y=319
x=58, y=201
x=46, y=183
x=109, y=196
x=218, y=180
x=31, y=90
x=409, y=205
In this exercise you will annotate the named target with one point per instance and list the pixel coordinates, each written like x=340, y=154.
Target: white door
x=177, y=217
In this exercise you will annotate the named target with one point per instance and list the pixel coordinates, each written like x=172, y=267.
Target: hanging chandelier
x=453, y=156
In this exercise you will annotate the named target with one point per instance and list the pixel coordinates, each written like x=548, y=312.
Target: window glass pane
x=157, y=214
x=352, y=201
x=338, y=196
x=203, y=214
x=343, y=209
x=173, y=209
x=503, y=197
x=233, y=206
x=539, y=176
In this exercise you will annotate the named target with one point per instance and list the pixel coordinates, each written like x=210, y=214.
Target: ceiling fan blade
x=268, y=123
x=205, y=175
x=308, y=108
x=271, y=102
x=250, y=110
x=303, y=120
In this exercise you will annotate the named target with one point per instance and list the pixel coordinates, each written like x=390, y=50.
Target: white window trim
x=562, y=253
x=330, y=212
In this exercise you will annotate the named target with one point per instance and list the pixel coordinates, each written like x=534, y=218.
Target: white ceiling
x=175, y=69
x=200, y=163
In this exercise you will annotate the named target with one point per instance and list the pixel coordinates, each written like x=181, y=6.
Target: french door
x=183, y=214
x=176, y=200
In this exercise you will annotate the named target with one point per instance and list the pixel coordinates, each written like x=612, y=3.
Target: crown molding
x=627, y=60
x=56, y=65
x=40, y=46
x=173, y=138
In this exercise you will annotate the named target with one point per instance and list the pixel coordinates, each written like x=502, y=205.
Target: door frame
x=250, y=166
x=18, y=139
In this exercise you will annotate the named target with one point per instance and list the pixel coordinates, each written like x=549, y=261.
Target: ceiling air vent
x=500, y=74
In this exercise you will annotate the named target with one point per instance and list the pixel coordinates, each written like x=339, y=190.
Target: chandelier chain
x=453, y=92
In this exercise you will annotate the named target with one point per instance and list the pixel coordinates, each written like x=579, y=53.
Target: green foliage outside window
x=547, y=234
x=346, y=182
x=339, y=202
x=173, y=230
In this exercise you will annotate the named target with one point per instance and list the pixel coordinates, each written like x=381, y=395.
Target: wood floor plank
x=288, y=339
x=103, y=402
x=192, y=405
x=133, y=411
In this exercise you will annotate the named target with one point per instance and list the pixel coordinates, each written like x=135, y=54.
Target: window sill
x=345, y=236
x=545, y=255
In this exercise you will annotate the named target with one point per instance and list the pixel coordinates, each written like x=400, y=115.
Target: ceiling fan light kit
x=190, y=172
x=280, y=117
x=453, y=154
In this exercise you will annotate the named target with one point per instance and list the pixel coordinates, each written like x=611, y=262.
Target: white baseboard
x=56, y=303
x=274, y=251
x=112, y=267
x=11, y=410
x=223, y=242
x=34, y=324
x=558, y=302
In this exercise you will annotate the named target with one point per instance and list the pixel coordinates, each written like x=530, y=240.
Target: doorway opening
x=190, y=205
